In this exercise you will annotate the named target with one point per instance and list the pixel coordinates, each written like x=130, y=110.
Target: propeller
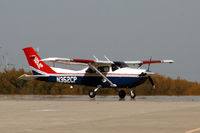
x=149, y=77
x=151, y=81
x=148, y=69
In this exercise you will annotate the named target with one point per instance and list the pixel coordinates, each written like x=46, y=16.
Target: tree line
x=10, y=84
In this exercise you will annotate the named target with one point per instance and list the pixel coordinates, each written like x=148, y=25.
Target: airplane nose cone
x=143, y=74
x=146, y=72
x=149, y=72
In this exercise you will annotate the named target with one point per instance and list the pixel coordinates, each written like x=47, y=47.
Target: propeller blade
x=148, y=69
x=152, y=83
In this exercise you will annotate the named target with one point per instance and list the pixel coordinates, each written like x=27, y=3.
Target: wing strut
x=111, y=84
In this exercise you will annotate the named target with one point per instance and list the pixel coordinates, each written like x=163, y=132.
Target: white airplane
x=101, y=74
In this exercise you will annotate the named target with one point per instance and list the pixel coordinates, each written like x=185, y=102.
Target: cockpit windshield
x=120, y=64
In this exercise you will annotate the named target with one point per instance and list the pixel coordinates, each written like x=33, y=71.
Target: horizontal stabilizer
x=31, y=77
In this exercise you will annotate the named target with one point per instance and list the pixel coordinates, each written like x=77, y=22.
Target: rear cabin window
x=89, y=70
x=103, y=69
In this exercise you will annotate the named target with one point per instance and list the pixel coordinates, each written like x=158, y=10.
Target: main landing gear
x=92, y=93
x=122, y=93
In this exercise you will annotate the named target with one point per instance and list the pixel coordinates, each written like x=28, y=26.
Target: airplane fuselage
x=123, y=77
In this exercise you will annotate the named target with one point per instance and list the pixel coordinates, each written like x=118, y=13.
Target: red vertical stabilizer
x=35, y=61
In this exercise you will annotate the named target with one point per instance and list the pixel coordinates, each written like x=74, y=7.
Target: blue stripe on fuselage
x=97, y=80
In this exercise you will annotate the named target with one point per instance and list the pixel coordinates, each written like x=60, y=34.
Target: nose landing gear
x=133, y=94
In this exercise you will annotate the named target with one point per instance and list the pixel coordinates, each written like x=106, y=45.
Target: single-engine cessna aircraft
x=112, y=74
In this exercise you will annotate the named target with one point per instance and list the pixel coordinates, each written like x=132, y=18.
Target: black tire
x=133, y=94
x=122, y=94
x=92, y=94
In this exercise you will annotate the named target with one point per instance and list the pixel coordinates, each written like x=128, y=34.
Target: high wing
x=31, y=77
x=95, y=64
x=67, y=61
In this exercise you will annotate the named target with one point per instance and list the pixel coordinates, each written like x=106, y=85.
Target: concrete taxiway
x=76, y=114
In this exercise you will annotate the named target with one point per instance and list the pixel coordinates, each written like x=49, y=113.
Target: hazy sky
x=119, y=29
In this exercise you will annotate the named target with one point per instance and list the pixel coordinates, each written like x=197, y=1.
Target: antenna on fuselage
x=95, y=58
x=106, y=58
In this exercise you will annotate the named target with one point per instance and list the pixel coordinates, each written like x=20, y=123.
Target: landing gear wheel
x=133, y=94
x=122, y=94
x=92, y=94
